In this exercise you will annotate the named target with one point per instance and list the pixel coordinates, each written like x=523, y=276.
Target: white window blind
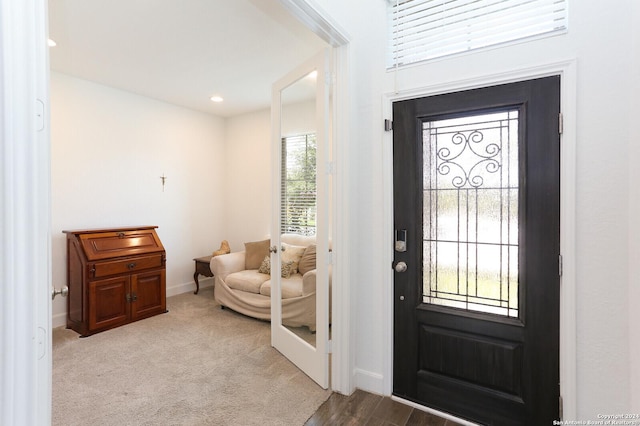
x=427, y=29
x=298, y=191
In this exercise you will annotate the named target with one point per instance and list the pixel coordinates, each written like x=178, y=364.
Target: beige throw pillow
x=286, y=268
x=308, y=261
x=293, y=254
x=254, y=253
x=265, y=266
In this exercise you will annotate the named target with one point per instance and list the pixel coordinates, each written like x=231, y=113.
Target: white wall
x=247, y=199
x=607, y=252
x=299, y=119
x=109, y=149
x=247, y=180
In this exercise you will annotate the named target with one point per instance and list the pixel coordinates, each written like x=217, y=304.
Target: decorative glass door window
x=471, y=212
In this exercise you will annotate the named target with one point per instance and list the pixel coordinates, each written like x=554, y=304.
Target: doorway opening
x=309, y=16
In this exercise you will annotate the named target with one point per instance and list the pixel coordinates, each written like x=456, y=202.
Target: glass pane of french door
x=302, y=207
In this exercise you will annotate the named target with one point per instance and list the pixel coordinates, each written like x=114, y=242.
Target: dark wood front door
x=477, y=224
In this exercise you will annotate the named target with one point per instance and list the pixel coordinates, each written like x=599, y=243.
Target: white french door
x=300, y=105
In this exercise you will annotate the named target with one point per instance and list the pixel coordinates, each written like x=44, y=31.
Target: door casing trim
x=342, y=317
x=25, y=212
x=568, y=89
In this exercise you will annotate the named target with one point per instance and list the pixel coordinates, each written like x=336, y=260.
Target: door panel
x=476, y=211
x=150, y=294
x=108, y=300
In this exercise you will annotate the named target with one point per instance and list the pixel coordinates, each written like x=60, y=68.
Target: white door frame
x=568, y=84
x=25, y=211
x=342, y=314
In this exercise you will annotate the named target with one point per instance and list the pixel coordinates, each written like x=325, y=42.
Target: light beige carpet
x=195, y=365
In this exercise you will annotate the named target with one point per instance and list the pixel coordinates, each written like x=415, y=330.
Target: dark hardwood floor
x=363, y=408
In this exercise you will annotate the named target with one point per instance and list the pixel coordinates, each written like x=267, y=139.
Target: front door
x=477, y=225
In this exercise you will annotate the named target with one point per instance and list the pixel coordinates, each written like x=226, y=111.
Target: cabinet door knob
x=131, y=265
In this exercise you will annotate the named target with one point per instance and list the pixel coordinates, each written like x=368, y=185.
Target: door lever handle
x=400, y=267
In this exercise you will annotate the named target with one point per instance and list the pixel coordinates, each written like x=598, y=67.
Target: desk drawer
x=109, y=245
x=122, y=266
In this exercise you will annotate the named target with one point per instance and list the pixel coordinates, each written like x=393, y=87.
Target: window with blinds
x=428, y=29
x=298, y=191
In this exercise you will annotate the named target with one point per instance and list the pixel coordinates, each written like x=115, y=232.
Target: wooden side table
x=202, y=268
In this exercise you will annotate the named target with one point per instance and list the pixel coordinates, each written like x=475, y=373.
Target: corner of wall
x=369, y=381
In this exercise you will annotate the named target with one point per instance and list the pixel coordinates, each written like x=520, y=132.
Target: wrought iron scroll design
x=470, y=145
x=471, y=212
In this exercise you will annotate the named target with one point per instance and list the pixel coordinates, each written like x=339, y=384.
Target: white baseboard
x=60, y=319
x=176, y=289
x=369, y=381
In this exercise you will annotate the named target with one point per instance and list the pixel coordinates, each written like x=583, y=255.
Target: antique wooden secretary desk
x=115, y=276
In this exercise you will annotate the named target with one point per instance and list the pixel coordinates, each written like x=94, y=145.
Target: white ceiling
x=181, y=51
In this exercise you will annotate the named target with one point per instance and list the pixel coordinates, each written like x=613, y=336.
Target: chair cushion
x=248, y=280
x=298, y=240
x=291, y=287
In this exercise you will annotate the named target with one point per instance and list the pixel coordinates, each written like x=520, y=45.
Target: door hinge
x=330, y=258
x=560, y=265
x=560, y=408
x=388, y=125
x=329, y=346
x=329, y=78
x=560, y=123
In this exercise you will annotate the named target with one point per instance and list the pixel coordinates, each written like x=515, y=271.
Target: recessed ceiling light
x=51, y=43
x=217, y=99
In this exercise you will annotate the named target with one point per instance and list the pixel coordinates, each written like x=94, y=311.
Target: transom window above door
x=426, y=29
